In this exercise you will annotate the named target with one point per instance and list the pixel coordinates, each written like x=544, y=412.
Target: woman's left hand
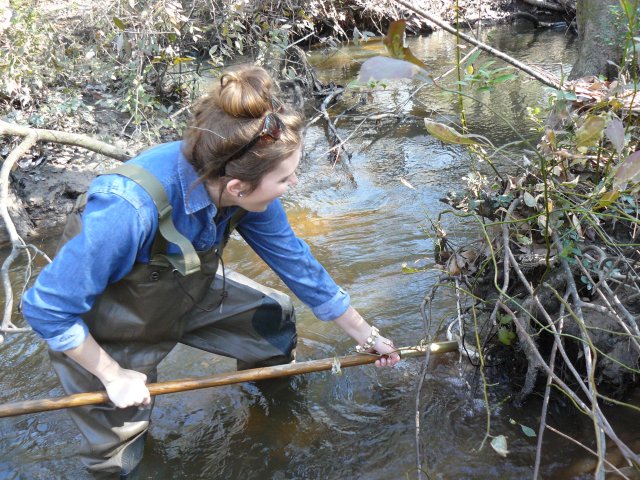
x=385, y=347
x=353, y=324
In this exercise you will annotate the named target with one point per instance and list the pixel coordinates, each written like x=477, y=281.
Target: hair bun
x=246, y=92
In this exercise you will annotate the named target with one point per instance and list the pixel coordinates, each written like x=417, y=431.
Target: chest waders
x=174, y=298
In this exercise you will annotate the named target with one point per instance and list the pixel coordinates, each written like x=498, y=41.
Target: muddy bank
x=50, y=177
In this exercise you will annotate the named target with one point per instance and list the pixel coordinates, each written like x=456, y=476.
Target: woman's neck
x=217, y=195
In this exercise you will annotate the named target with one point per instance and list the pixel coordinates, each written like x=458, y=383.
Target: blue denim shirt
x=119, y=225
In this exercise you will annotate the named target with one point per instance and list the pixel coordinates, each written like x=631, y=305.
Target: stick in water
x=263, y=373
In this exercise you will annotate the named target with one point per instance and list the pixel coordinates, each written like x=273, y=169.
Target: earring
x=240, y=194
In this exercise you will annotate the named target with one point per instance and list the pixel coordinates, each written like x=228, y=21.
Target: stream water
x=363, y=224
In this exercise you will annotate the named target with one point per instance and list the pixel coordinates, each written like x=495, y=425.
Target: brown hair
x=229, y=117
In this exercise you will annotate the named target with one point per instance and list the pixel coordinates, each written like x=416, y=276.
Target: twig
x=610, y=310
x=426, y=322
x=299, y=40
x=545, y=402
x=334, y=138
x=589, y=355
x=505, y=260
x=16, y=241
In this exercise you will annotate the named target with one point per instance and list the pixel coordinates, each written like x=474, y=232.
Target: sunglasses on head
x=272, y=127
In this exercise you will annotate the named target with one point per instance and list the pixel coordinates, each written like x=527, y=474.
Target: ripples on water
x=359, y=424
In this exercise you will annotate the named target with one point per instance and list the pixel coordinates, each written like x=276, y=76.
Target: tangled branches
x=555, y=281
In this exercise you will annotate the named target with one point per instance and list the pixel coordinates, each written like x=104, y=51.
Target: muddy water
x=363, y=224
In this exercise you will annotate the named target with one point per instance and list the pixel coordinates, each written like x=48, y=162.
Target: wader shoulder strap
x=188, y=262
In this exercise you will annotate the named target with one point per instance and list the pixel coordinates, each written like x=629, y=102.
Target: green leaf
x=528, y=431
x=573, y=183
x=590, y=132
x=499, y=444
x=394, y=41
x=474, y=56
x=178, y=60
x=627, y=171
x=529, y=200
x=506, y=336
x=119, y=23
x=446, y=134
x=504, y=78
x=406, y=269
x=608, y=198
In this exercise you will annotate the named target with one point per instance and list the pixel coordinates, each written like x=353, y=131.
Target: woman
x=137, y=274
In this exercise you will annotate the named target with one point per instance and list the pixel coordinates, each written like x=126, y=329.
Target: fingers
x=135, y=399
x=388, y=360
x=129, y=389
x=146, y=401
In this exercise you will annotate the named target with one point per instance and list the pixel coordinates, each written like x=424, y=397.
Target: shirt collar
x=195, y=194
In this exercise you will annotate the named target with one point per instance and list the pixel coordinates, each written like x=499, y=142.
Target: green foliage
x=484, y=78
x=27, y=50
x=528, y=431
x=506, y=336
x=142, y=58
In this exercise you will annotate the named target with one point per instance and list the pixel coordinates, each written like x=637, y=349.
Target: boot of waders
x=131, y=457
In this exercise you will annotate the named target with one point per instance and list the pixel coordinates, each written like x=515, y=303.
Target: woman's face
x=273, y=185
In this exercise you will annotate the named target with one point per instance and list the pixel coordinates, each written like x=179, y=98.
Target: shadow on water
x=360, y=424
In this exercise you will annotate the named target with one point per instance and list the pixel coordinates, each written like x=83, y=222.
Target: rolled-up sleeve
x=270, y=235
x=113, y=233
x=71, y=338
x=334, y=307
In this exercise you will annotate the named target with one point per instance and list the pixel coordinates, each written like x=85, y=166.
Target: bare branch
x=16, y=242
x=65, y=139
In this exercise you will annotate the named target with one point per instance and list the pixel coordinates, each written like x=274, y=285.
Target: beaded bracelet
x=369, y=342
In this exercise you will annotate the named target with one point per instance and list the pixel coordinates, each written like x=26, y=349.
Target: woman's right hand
x=127, y=388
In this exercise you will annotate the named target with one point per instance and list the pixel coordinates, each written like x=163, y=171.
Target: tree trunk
x=601, y=36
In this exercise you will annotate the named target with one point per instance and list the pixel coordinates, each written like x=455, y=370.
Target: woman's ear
x=236, y=188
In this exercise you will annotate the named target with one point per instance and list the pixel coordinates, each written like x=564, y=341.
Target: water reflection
x=359, y=424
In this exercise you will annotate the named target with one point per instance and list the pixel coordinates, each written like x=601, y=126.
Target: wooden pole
x=186, y=384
